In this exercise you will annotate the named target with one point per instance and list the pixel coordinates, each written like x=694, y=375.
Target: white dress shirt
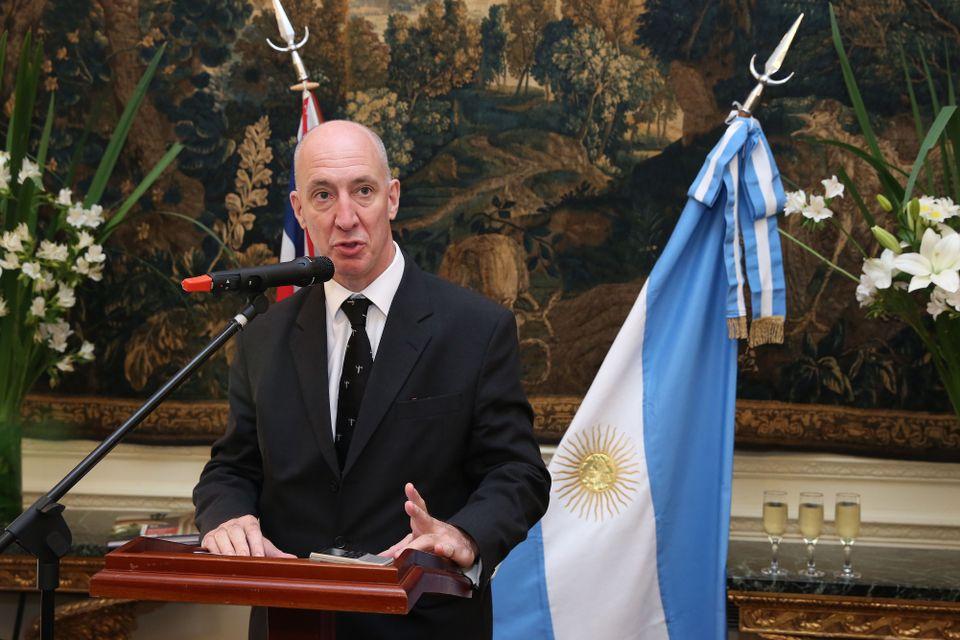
x=380, y=292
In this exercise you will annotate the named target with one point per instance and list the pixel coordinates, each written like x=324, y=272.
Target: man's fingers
x=210, y=543
x=239, y=539
x=223, y=542
x=414, y=496
x=390, y=553
x=271, y=551
x=461, y=555
x=254, y=539
x=420, y=521
x=422, y=543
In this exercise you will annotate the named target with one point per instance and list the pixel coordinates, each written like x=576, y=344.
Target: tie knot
x=356, y=310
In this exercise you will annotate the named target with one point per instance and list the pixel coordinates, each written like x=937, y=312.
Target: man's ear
x=295, y=205
x=393, y=198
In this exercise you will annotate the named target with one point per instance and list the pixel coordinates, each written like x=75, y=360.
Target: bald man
x=380, y=411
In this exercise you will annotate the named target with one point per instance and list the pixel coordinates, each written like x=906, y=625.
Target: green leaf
x=3, y=59
x=119, y=137
x=853, y=90
x=142, y=188
x=891, y=186
x=936, y=129
x=82, y=143
x=934, y=98
x=855, y=194
x=915, y=110
x=42, y=160
x=207, y=230
x=815, y=253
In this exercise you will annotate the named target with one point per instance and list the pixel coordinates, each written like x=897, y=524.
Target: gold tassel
x=767, y=330
x=737, y=327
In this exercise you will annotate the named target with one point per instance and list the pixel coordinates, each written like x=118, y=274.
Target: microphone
x=302, y=272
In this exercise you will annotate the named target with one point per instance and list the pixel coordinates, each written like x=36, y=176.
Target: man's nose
x=346, y=218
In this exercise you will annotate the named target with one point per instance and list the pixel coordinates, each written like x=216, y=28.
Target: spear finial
x=290, y=37
x=773, y=64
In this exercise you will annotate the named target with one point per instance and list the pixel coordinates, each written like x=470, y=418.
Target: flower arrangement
x=49, y=246
x=914, y=273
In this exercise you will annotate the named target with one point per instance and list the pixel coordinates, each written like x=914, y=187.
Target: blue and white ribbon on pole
x=634, y=543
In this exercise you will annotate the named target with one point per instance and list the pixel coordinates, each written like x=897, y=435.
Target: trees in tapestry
x=545, y=150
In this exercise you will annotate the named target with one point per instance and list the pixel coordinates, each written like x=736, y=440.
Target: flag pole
x=289, y=36
x=773, y=64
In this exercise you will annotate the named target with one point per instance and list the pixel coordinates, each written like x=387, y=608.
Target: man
x=383, y=384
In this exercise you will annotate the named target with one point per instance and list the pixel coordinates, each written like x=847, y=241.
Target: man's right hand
x=241, y=537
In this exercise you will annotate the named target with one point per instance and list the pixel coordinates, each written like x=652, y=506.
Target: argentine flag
x=634, y=543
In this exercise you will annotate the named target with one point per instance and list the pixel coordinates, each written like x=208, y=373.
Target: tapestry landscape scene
x=544, y=148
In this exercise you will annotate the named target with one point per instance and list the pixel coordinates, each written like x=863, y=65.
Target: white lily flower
x=936, y=209
x=816, y=209
x=881, y=270
x=82, y=267
x=23, y=231
x=11, y=241
x=3, y=307
x=64, y=197
x=796, y=201
x=38, y=307
x=10, y=261
x=95, y=254
x=44, y=283
x=832, y=187
x=96, y=272
x=52, y=251
x=65, y=296
x=937, y=304
x=65, y=364
x=949, y=208
x=76, y=216
x=4, y=176
x=57, y=334
x=94, y=216
x=84, y=240
x=86, y=351
x=866, y=291
x=937, y=262
x=29, y=171
x=32, y=270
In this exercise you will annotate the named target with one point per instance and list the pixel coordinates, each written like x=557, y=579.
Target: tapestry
x=544, y=150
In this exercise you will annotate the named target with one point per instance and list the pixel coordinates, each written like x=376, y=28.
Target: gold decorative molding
x=174, y=422
x=765, y=424
x=19, y=573
x=94, y=619
x=794, y=616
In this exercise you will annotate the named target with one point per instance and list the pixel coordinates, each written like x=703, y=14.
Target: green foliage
x=381, y=110
x=493, y=44
x=51, y=244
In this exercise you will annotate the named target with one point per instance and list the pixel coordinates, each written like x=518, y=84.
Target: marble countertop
x=887, y=572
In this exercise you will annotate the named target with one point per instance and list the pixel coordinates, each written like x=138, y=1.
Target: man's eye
x=323, y=195
x=364, y=191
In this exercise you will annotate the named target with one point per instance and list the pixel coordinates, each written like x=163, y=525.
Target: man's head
x=345, y=199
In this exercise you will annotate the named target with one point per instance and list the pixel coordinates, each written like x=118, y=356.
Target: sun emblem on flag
x=597, y=472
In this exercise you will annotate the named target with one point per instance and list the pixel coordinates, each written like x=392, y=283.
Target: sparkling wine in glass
x=847, y=521
x=774, y=525
x=811, y=526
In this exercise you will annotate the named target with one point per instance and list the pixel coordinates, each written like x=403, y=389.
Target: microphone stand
x=41, y=529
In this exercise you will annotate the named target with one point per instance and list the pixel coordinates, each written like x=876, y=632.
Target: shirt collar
x=380, y=292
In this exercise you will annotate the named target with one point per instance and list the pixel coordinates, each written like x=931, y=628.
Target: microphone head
x=321, y=268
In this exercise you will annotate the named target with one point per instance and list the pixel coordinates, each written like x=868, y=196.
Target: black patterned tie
x=357, y=362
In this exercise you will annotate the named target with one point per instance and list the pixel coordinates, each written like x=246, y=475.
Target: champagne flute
x=811, y=526
x=848, y=528
x=775, y=525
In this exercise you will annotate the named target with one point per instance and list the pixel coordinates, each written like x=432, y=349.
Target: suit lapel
x=404, y=338
x=308, y=344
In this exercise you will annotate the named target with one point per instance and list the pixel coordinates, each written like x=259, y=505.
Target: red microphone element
x=302, y=272
x=197, y=283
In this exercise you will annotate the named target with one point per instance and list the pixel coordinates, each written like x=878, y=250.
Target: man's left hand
x=432, y=535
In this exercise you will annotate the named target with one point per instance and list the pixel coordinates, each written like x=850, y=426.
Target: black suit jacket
x=443, y=408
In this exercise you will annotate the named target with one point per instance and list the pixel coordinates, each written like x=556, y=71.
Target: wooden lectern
x=302, y=595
